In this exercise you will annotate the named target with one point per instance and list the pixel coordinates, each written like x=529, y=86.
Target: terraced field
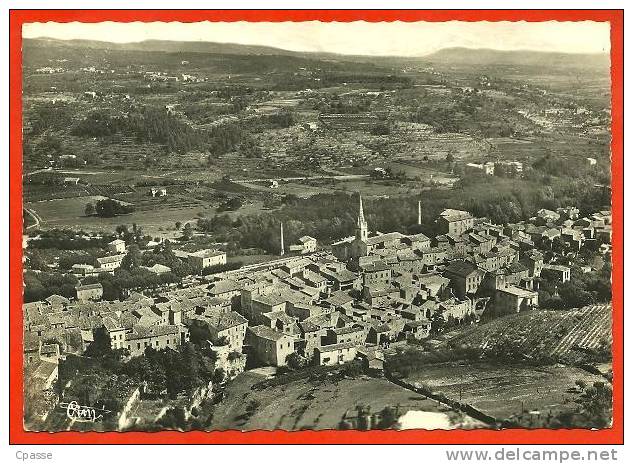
x=563, y=335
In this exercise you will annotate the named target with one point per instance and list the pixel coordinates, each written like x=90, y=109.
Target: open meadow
x=309, y=403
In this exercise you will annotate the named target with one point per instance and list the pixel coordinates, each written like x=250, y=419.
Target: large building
x=89, y=292
x=455, y=222
x=270, y=346
x=206, y=258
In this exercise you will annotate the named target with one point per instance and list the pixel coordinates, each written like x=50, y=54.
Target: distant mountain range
x=447, y=56
x=484, y=56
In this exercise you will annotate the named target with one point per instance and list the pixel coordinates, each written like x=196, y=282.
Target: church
x=362, y=244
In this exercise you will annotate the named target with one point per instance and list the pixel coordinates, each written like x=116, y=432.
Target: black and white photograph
x=316, y=226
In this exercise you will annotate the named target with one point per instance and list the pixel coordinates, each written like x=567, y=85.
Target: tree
x=187, y=232
x=90, y=209
x=296, y=361
x=133, y=259
x=450, y=158
x=219, y=375
x=111, y=208
x=437, y=322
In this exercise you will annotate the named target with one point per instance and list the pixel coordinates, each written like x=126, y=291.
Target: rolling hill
x=489, y=57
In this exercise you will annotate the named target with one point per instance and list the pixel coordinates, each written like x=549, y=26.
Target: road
x=34, y=215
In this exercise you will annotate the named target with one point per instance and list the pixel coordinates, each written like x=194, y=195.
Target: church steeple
x=361, y=225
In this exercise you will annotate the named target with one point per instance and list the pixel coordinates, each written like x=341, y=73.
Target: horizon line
x=517, y=50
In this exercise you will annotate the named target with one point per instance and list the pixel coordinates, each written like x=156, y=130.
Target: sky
x=353, y=38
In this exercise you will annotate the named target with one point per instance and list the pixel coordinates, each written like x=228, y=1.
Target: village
x=316, y=305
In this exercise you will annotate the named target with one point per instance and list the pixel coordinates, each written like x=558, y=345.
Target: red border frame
x=17, y=435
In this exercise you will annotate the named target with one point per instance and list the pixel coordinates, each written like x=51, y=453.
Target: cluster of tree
x=39, y=286
x=67, y=239
x=570, y=166
x=329, y=217
x=164, y=373
x=157, y=125
x=381, y=129
x=50, y=116
x=173, y=371
x=581, y=290
x=38, y=150
x=98, y=123
x=441, y=118
x=593, y=409
x=231, y=204
x=108, y=208
x=95, y=385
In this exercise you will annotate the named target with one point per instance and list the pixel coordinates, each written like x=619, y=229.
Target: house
x=465, y=277
x=417, y=241
x=225, y=289
x=417, y=329
x=547, y=215
x=110, y=263
x=295, y=266
x=258, y=304
x=229, y=327
x=512, y=299
x=533, y=260
x=486, y=169
x=50, y=352
x=206, y=258
x=116, y=246
x=89, y=292
x=302, y=311
x=331, y=355
x=158, y=338
x=312, y=336
x=340, y=279
x=376, y=274
x=157, y=269
x=42, y=373
x=373, y=361
x=158, y=192
x=354, y=334
x=306, y=245
x=508, y=168
x=340, y=301
x=270, y=346
x=116, y=332
x=454, y=222
x=557, y=272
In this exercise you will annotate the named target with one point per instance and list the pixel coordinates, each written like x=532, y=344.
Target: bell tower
x=361, y=224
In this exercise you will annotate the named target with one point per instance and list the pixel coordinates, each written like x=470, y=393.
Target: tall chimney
x=419, y=212
x=281, y=239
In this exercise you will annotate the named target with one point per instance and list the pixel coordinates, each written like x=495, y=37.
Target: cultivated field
x=502, y=391
x=566, y=336
x=69, y=213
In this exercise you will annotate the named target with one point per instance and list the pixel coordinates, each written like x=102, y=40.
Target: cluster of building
x=369, y=291
x=497, y=168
